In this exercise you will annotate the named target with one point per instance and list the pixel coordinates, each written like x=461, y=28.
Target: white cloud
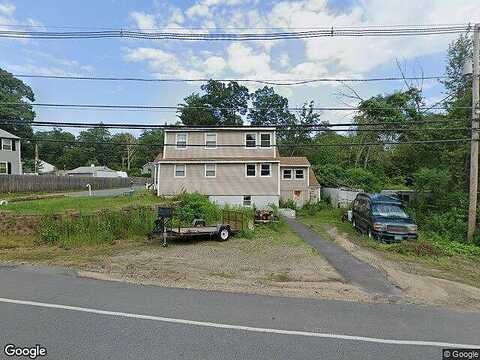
x=203, y=8
x=163, y=63
x=214, y=65
x=177, y=16
x=284, y=59
x=7, y=9
x=144, y=21
x=243, y=60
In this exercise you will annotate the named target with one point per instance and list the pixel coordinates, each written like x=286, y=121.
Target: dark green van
x=382, y=217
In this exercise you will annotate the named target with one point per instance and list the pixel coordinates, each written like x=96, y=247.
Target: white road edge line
x=239, y=327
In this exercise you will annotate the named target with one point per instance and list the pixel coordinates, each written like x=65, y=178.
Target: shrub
x=288, y=204
x=312, y=208
x=196, y=206
x=103, y=227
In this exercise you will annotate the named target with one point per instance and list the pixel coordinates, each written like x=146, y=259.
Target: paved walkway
x=352, y=269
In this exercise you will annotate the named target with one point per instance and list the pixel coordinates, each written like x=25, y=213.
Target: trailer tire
x=224, y=233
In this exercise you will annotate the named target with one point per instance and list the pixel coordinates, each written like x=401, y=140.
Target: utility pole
x=36, y=159
x=472, y=209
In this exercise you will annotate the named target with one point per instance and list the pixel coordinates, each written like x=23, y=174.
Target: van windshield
x=388, y=210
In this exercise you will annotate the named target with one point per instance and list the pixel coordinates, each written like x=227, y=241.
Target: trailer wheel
x=224, y=233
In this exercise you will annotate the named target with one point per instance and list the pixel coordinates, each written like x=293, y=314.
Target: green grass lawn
x=84, y=205
x=437, y=257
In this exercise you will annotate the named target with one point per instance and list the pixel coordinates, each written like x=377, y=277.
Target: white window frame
x=249, y=201
x=206, y=137
x=184, y=170
x=246, y=170
x=214, y=170
x=11, y=144
x=270, y=141
x=303, y=174
x=256, y=143
x=176, y=141
x=6, y=168
x=269, y=169
x=291, y=174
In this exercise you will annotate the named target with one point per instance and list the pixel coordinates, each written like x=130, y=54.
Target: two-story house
x=232, y=165
x=10, y=154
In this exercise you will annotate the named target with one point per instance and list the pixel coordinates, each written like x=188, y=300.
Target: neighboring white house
x=45, y=168
x=95, y=171
x=232, y=165
x=10, y=154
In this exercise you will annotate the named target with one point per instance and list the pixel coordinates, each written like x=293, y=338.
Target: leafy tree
x=53, y=151
x=15, y=91
x=269, y=108
x=222, y=104
x=94, y=147
x=151, y=142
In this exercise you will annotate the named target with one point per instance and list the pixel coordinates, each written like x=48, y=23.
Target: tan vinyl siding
x=234, y=137
x=294, y=184
x=301, y=200
x=230, y=180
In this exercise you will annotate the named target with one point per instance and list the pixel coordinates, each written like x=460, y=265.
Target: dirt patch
x=417, y=284
x=239, y=265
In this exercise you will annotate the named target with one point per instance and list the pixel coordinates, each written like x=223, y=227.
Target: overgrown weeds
x=103, y=227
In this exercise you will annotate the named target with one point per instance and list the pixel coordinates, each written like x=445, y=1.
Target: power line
x=32, y=26
x=292, y=128
x=208, y=36
x=439, y=141
x=178, y=107
x=278, y=82
x=312, y=127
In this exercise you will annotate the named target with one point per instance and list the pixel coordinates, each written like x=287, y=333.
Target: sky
x=285, y=59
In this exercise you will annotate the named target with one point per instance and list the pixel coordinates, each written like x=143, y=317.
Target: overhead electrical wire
x=414, y=30
x=178, y=107
x=33, y=26
x=438, y=141
x=293, y=128
x=279, y=82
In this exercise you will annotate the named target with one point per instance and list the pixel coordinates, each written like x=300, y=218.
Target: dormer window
x=181, y=140
x=250, y=140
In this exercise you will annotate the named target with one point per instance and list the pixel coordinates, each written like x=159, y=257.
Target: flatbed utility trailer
x=165, y=231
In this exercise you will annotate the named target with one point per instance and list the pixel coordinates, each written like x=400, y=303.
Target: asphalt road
x=105, y=192
x=78, y=318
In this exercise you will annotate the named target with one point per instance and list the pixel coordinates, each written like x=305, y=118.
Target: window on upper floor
x=251, y=140
x=210, y=170
x=181, y=140
x=265, y=140
x=251, y=170
x=180, y=170
x=287, y=174
x=211, y=140
x=266, y=170
x=7, y=144
x=299, y=174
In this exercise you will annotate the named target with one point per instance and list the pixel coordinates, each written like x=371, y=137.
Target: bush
x=288, y=204
x=196, y=206
x=312, y=208
x=103, y=227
